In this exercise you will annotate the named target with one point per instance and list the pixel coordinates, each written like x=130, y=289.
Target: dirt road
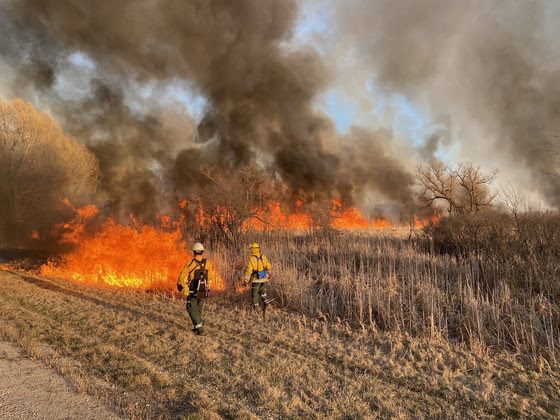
x=30, y=390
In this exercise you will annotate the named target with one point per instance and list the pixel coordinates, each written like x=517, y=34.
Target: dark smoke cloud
x=259, y=96
x=384, y=169
x=492, y=66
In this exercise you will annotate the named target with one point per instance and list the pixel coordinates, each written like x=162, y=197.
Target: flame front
x=351, y=218
x=341, y=217
x=134, y=256
x=272, y=217
x=434, y=220
x=146, y=257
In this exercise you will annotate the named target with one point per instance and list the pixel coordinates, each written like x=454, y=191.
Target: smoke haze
x=491, y=67
x=116, y=74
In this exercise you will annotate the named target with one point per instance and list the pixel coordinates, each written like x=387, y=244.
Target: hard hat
x=198, y=247
x=254, y=245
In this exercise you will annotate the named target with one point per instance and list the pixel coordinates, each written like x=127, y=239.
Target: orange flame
x=134, y=256
x=342, y=217
x=351, y=218
x=272, y=217
x=434, y=219
x=10, y=267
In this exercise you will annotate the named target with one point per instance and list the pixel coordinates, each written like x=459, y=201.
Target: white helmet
x=198, y=247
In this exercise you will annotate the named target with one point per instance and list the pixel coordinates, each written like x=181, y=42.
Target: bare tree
x=465, y=189
x=322, y=214
x=40, y=166
x=227, y=203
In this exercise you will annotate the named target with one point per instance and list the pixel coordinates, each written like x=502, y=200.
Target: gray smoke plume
x=259, y=95
x=493, y=67
x=113, y=73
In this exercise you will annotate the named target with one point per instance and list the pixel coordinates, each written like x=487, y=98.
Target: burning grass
x=124, y=256
x=464, y=279
x=149, y=258
x=134, y=256
x=273, y=217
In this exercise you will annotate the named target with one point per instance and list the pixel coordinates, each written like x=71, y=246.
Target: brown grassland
x=385, y=325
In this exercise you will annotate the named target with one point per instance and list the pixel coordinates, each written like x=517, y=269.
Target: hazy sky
x=450, y=63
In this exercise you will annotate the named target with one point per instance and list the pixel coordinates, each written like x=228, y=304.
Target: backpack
x=199, y=283
x=260, y=274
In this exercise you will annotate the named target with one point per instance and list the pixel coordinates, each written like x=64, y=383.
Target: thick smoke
x=492, y=67
x=259, y=94
x=487, y=71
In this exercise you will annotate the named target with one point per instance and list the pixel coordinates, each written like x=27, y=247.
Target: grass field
x=134, y=350
x=505, y=297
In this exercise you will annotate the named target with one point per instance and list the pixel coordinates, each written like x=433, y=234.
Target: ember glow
x=134, y=256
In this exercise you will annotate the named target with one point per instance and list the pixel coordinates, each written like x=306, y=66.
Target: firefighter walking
x=258, y=273
x=194, y=281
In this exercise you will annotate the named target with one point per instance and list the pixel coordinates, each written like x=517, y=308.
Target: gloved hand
x=269, y=276
x=180, y=287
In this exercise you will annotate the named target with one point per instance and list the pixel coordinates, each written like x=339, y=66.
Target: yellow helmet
x=198, y=247
x=254, y=245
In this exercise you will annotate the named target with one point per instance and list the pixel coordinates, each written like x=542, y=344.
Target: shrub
x=40, y=166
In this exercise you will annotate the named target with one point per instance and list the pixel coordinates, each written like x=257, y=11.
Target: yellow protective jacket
x=257, y=262
x=187, y=273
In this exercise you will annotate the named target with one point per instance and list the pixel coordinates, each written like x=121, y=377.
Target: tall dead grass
x=491, y=282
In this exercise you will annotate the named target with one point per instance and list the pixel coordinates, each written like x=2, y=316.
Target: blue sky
x=315, y=23
x=408, y=120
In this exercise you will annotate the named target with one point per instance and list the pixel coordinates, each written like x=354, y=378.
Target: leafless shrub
x=523, y=243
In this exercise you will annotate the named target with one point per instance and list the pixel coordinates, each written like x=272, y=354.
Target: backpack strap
x=202, y=266
x=261, y=259
x=197, y=264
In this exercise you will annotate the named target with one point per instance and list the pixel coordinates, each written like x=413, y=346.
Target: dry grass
x=393, y=281
x=135, y=351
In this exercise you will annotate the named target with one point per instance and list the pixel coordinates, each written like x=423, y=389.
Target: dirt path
x=30, y=390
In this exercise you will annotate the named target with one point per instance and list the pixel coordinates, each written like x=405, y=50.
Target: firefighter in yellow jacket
x=258, y=273
x=194, y=281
